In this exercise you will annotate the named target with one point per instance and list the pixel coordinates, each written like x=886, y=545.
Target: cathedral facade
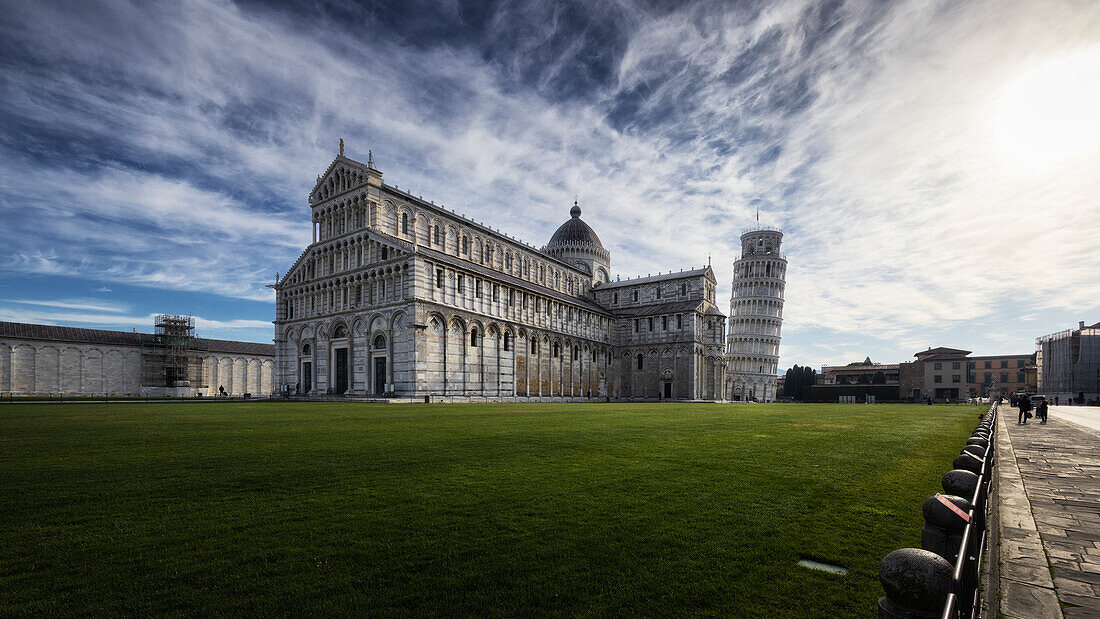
x=398, y=297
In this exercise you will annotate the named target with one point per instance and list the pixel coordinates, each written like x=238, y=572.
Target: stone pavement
x=1059, y=465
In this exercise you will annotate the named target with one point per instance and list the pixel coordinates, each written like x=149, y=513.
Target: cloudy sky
x=934, y=165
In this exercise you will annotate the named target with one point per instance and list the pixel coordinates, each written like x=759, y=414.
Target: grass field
x=461, y=509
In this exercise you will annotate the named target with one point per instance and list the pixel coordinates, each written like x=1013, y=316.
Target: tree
x=879, y=378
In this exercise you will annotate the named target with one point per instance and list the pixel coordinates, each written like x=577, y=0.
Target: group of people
x=1024, y=404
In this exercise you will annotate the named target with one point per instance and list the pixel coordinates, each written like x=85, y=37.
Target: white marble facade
x=399, y=297
x=49, y=360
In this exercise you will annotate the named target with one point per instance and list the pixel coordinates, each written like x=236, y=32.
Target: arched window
x=379, y=342
x=339, y=333
x=404, y=223
x=557, y=350
x=306, y=351
x=576, y=353
x=385, y=253
x=641, y=360
x=534, y=346
x=473, y=337
x=437, y=234
x=507, y=341
x=465, y=244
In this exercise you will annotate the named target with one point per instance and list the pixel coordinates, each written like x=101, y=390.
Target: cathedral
x=397, y=297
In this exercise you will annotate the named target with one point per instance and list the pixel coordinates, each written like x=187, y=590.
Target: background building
x=1005, y=373
x=45, y=359
x=1068, y=363
x=399, y=297
x=863, y=372
x=756, y=317
x=938, y=373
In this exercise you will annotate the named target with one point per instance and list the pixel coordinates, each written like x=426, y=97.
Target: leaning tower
x=756, y=316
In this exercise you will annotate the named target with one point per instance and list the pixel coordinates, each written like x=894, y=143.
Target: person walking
x=1056, y=400
x=1025, y=409
x=1042, y=411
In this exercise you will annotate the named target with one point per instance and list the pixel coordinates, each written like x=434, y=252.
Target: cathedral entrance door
x=668, y=391
x=307, y=377
x=379, y=375
x=341, y=370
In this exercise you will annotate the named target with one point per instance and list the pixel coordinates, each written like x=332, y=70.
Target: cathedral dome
x=574, y=232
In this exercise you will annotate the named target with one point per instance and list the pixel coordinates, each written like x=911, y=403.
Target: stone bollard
x=943, y=528
x=967, y=463
x=977, y=450
x=960, y=483
x=916, y=583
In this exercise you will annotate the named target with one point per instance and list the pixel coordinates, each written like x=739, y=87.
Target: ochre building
x=399, y=297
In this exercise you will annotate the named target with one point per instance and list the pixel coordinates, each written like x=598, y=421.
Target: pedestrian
x=1042, y=411
x=1025, y=409
x=1056, y=400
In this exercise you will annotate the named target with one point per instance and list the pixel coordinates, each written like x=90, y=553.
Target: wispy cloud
x=172, y=146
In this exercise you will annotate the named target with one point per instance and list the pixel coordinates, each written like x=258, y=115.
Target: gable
x=342, y=175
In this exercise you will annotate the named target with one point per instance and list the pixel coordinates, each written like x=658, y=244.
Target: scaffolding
x=169, y=358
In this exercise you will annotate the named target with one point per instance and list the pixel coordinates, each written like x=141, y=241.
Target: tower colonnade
x=756, y=317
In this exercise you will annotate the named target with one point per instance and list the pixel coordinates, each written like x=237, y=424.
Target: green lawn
x=557, y=509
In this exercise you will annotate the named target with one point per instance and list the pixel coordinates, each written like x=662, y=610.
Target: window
x=1004, y=364
x=556, y=351
x=1019, y=377
x=404, y=223
x=525, y=300
x=988, y=364
x=664, y=323
x=461, y=284
x=679, y=321
x=956, y=378
x=496, y=293
x=955, y=365
x=616, y=301
x=937, y=366
x=465, y=244
x=508, y=261
x=1004, y=377
x=635, y=296
x=650, y=320
x=473, y=337
x=593, y=355
x=635, y=325
x=511, y=297
x=683, y=289
x=507, y=341
x=436, y=234
x=937, y=378
x=439, y=278
x=576, y=353
x=385, y=253
x=658, y=292
x=379, y=342
x=306, y=350
x=339, y=333
x=1020, y=364
x=477, y=289
x=534, y=346
x=640, y=361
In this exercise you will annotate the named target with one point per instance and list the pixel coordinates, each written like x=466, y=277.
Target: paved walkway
x=1059, y=465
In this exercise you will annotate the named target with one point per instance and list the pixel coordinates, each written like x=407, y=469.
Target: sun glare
x=1053, y=112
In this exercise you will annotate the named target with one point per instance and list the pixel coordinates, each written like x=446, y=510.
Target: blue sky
x=933, y=164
